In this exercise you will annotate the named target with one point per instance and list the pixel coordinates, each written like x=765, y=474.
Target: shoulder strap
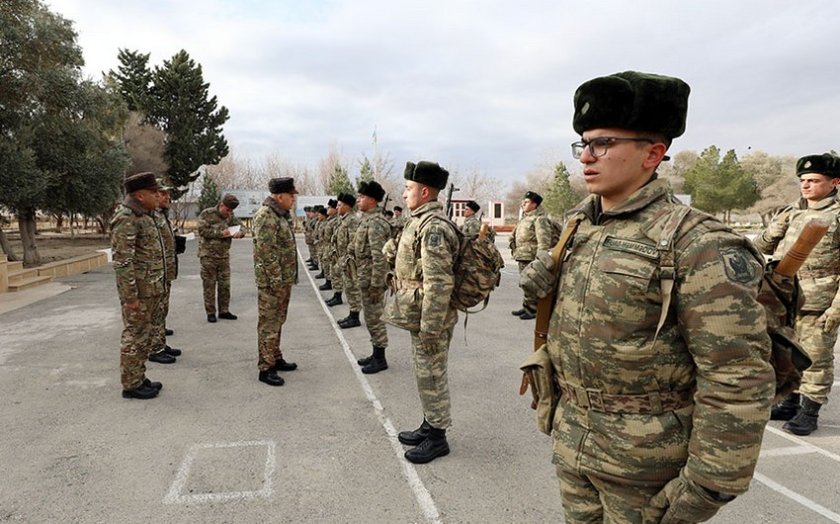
x=667, y=269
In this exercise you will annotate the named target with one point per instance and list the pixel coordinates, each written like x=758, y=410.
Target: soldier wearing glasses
x=660, y=417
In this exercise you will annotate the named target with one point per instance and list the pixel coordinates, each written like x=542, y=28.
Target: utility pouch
x=537, y=367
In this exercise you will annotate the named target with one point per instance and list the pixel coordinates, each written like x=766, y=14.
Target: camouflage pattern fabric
x=139, y=268
x=819, y=278
x=533, y=233
x=211, y=240
x=529, y=300
x=638, y=403
x=275, y=253
x=372, y=268
x=215, y=281
x=275, y=270
x=344, y=279
x=328, y=246
x=273, y=305
x=471, y=226
x=214, y=258
x=171, y=263
x=309, y=228
x=422, y=304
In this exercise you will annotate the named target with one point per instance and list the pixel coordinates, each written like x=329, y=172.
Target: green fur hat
x=427, y=173
x=824, y=164
x=634, y=101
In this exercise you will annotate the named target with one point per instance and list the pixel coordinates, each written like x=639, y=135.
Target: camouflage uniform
x=422, y=305
x=819, y=278
x=308, y=228
x=532, y=234
x=328, y=245
x=471, y=226
x=346, y=261
x=140, y=271
x=161, y=217
x=372, y=269
x=275, y=270
x=214, y=255
x=638, y=412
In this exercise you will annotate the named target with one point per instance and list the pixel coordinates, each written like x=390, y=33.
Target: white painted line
x=786, y=451
x=424, y=498
x=804, y=501
x=174, y=496
x=804, y=443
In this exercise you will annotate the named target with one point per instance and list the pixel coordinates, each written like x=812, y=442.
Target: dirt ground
x=52, y=246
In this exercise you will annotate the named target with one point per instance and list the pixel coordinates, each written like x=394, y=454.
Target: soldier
x=471, y=225
x=389, y=215
x=324, y=237
x=140, y=272
x=399, y=219
x=663, y=403
x=308, y=222
x=532, y=234
x=347, y=223
x=162, y=352
x=320, y=214
x=372, y=271
x=816, y=324
x=328, y=244
x=275, y=270
x=425, y=258
x=214, y=240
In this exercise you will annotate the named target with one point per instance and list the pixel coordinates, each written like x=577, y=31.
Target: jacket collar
x=274, y=206
x=425, y=208
x=134, y=205
x=656, y=189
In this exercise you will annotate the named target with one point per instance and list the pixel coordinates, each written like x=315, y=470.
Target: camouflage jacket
x=712, y=352
x=820, y=273
x=275, y=253
x=344, y=236
x=326, y=244
x=471, y=226
x=137, y=250
x=533, y=233
x=161, y=217
x=397, y=225
x=373, y=232
x=211, y=240
x=308, y=229
x=424, y=279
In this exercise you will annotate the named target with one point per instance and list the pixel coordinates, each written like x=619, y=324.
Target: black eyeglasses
x=598, y=146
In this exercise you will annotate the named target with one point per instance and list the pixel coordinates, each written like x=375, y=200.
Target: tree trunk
x=59, y=222
x=73, y=224
x=26, y=225
x=7, y=247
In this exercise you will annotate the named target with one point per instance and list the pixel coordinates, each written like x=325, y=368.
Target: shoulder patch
x=737, y=265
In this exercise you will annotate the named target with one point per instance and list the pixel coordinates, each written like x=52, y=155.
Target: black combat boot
x=378, y=363
x=366, y=360
x=412, y=438
x=143, y=392
x=350, y=321
x=335, y=300
x=227, y=315
x=211, y=317
x=320, y=275
x=433, y=447
x=786, y=409
x=518, y=313
x=805, y=422
x=282, y=365
x=168, y=332
x=270, y=377
x=162, y=358
x=326, y=286
x=157, y=385
x=527, y=315
x=172, y=351
x=312, y=266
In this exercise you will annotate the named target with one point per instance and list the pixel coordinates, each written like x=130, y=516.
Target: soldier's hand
x=830, y=320
x=226, y=233
x=239, y=234
x=537, y=277
x=685, y=501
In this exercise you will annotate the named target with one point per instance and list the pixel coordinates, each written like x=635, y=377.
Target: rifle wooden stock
x=482, y=233
x=811, y=234
x=545, y=304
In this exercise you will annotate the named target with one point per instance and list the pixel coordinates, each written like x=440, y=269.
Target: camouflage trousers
x=591, y=499
x=351, y=288
x=819, y=345
x=313, y=253
x=337, y=277
x=159, y=320
x=273, y=305
x=138, y=336
x=529, y=301
x=430, y=371
x=215, y=274
x=373, y=302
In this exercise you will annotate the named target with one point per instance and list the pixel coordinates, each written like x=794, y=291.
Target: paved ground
x=219, y=446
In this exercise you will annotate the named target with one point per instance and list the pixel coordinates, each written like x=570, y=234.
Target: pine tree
x=365, y=172
x=339, y=181
x=560, y=196
x=210, y=196
x=134, y=79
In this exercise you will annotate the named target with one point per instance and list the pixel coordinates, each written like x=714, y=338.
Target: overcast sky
x=482, y=84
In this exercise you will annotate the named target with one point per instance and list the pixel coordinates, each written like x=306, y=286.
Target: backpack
x=477, y=269
x=780, y=296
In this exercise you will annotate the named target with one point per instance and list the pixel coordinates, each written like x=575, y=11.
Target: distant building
x=492, y=212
